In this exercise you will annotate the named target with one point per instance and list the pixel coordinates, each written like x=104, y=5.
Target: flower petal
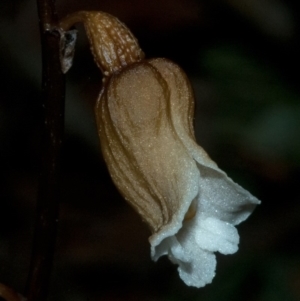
x=146, y=159
x=223, y=199
x=196, y=266
x=215, y=235
x=201, y=271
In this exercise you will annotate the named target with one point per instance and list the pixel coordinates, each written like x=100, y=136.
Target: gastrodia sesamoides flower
x=145, y=123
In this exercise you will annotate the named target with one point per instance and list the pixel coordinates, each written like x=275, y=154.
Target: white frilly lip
x=220, y=205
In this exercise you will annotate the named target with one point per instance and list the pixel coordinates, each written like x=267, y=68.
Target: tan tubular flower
x=145, y=124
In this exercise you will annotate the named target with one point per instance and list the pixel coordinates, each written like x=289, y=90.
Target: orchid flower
x=145, y=123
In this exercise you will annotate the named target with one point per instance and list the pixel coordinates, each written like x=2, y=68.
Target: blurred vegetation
x=242, y=59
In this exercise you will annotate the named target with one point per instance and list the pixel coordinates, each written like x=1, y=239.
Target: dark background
x=242, y=59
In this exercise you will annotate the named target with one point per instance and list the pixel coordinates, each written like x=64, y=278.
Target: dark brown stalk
x=53, y=98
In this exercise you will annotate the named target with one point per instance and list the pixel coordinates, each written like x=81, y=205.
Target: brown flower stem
x=53, y=98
